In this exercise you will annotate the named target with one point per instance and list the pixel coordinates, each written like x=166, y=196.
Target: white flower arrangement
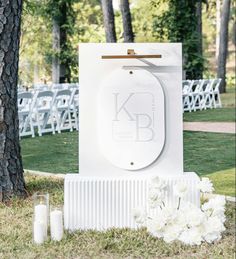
x=185, y=221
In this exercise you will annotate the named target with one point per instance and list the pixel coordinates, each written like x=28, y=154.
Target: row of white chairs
x=43, y=110
x=201, y=94
x=48, y=111
x=45, y=87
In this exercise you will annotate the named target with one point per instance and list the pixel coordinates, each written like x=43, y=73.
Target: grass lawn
x=206, y=153
x=203, y=152
x=228, y=99
x=51, y=153
x=223, y=181
x=214, y=115
x=16, y=235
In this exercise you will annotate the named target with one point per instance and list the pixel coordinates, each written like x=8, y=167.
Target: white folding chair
x=61, y=86
x=73, y=86
x=207, y=94
x=61, y=110
x=43, y=113
x=25, y=101
x=187, y=95
x=216, y=93
x=204, y=94
x=197, y=95
x=40, y=87
x=74, y=108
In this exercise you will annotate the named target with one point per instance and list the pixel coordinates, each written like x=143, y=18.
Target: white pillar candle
x=56, y=225
x=39, y=232
x=40, y=214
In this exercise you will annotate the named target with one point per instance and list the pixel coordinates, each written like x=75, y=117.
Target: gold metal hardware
x=130, y=55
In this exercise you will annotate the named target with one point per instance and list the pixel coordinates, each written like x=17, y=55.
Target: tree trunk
x=11, y=169
x=109, y=20
x=61, y=72
x=218, y=7
x=223, y=48
x=127, y=21
x=64, y=62
x=56, y=50
x=199, y=30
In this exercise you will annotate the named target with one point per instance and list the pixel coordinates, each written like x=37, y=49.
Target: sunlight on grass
x=224, y=181
x=228, y=98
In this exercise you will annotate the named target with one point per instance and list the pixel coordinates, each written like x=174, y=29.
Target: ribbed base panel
x=102, y=203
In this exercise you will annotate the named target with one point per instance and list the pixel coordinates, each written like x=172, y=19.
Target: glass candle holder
x=56, y=222
x=40, y=218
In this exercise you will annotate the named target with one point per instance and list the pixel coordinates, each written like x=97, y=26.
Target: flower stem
x=178, y=203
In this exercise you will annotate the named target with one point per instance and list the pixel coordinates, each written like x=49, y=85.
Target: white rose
x=194, y=217
x=213, y=228
x=205, y=185
x=169, y=213
x=156, y=198
x=171, y=232
x=155, y=226
x=191, y=236
x=211, y=237
x=180, y=220
x=215, y=207
x=180, y=189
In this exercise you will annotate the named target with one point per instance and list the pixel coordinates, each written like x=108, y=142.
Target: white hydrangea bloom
x=205, y=185
x=180, y=189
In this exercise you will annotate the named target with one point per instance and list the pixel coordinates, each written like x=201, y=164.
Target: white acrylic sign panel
x=131, y=119
x=130, y=111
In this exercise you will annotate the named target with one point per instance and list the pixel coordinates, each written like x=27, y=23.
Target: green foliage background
x=152, y=20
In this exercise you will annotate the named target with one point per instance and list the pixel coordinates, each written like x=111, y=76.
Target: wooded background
x=43, y=40
x=52, y=29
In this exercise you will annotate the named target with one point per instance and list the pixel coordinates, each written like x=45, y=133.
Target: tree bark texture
x=65, y=63
x=127, y=21
x=199, y=30
x=218, y=7
x=223, y=48
x=56, y=49
x=109, y=20
x=11, y=169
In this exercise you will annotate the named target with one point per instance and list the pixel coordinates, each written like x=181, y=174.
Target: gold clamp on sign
x=130, y=54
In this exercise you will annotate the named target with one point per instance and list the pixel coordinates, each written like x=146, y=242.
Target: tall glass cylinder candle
x=56, y=223
x=40, y=219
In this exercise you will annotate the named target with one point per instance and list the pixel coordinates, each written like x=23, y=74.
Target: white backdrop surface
x=144, y=142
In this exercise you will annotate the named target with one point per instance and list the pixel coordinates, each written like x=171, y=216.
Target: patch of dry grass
x=16, y=235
